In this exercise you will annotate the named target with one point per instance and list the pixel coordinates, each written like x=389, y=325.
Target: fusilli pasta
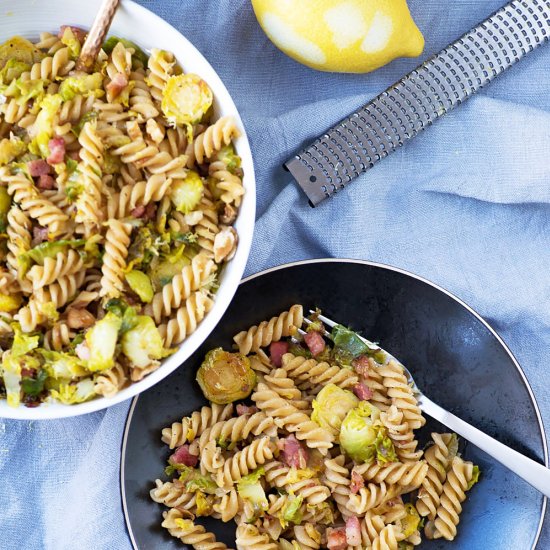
x=119, y=202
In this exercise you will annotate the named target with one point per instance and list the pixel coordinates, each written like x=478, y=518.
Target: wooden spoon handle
x=97, y=33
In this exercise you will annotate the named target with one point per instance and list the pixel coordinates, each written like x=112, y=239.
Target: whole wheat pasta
x=111, y=227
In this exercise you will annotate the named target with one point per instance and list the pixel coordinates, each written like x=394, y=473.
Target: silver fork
x=534, y=473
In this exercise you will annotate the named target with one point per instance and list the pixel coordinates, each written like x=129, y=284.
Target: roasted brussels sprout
x=364, y=438
x=225, y=377
x=185, y=99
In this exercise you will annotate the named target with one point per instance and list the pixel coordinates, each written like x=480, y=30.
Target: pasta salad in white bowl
x=127, y=207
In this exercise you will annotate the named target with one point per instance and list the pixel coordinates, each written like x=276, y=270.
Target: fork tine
x=324, y=319
x=326, y=334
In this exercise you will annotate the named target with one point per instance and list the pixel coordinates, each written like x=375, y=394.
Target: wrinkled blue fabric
x=466, y=205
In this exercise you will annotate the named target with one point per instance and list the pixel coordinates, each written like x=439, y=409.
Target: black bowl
x=455, y=357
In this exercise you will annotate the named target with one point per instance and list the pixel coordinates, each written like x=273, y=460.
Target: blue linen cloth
x=466, y=205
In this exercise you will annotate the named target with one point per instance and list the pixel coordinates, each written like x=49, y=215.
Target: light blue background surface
x=466, y=205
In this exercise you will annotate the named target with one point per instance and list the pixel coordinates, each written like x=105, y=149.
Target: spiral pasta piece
x=401, y=394
x=51, y=67
x=387, y=540
x=337, y=477
x=141, y=100
x=249, y=538
x=136, y=194
x=29, y=200
x=13, y=112
x=72, y=110
x=160, y=67
x=207, y=226
x=193, y=426
x=221, y=133
x=120, y=61
x=371, y=496
x=292, y=419
x=307, y=536
x=58, y=337
x=211, y=458
x=229, y=185
x=190, y=533
x=438, y=458
x=450, y=505
x=283, y=386
x=88, y=204
x=270, y=331
x=228, y=505
x=19, y=242
x=49, y=42
x=186, y=319
x=309, y=373
x=191, y=278
x=239, y=428
x=114, y=259
x=401, y=435
x=111, y=381
x=409, y=474
x=54, y=268
x=173, y=494
x=57, y=294
x=244, y=461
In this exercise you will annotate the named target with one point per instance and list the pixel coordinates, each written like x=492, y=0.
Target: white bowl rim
x=232, y=272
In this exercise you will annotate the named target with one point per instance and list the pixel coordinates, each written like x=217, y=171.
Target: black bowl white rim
x=390, y=268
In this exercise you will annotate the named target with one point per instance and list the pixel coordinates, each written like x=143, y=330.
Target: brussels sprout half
x=225, y=377
x=331, y=406
x=364, y=438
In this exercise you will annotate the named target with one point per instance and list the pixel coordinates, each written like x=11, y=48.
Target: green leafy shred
x=143, y=344
x=71, y=394
x=52, y=249
x=141, y=284
x=475, y=477
x=12, y=70
x=61, y=365
x=85, y=84
x=42, y=128
x=34, y=386
x=101, y=340
x=10, y=149
x=72, y=42
x=291, y=512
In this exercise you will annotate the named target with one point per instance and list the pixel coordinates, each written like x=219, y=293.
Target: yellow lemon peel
x=351, y=36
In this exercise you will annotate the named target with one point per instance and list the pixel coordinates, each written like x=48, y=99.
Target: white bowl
x=28, y=18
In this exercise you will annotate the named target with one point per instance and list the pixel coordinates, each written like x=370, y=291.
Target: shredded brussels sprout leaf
x=72, y=42
x=142, y=344
x=101, y=340
x=10, y=149
x=42, y=129
x=141, y=284
x=475, y=477
x=84, y=84
x=70, y=394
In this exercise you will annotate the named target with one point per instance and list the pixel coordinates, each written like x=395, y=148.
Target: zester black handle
x=403, y=110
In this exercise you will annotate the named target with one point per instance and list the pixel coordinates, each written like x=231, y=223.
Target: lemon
x=350, y=36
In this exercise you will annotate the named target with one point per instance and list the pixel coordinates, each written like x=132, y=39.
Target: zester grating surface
x=403, y=110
